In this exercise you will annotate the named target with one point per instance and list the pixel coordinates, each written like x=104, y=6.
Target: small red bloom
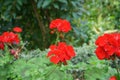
x=65, y=27
x=61, y=25
x=113, y=78
x=17, y=29
x=55, y=23
x=12, y=51
x=10, y=37
x=61, y=53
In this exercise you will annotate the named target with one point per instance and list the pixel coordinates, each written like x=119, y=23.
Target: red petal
x=55, y=23
x=100, y=53
x=49, y=53
x=17, y=29
x=52, y=47
x=113, y=78
x=71, y=51
x=54, y=59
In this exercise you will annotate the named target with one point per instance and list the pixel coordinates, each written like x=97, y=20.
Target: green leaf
x=75, y=15
x=46, y=3
x=74, y=3
x=39, y=4
x=63, y=1
x=19, y=2
x=18, y=7
x=95, y=73
x=56, y=6
x=8, y=2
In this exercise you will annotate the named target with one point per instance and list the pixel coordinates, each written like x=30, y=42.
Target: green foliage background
x=34, y=65
x=89, y=19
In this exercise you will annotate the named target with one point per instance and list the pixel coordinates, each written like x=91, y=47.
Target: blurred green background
x=87, y=17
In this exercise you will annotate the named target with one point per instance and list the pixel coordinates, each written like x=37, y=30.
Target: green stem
x=51, y=71
x=57, y=39
x=117, y=67
x=10, y=45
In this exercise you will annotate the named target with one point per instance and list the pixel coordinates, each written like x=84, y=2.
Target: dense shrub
x=34, y=64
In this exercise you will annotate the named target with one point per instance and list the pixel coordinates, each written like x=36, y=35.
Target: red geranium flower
x=108, y=45
x=60, y=53
x=61, y=25
x=113, y=78
x=10, y=37
x=55, y=23
x=17, y=29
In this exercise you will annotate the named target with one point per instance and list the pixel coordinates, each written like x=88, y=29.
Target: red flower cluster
x=17, y=29
x=113, y=78
x=61, y=53
x=8, y=37
x=108, y=46
x=61, y=25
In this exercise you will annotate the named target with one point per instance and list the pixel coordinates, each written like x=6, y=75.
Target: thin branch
x=40, y=23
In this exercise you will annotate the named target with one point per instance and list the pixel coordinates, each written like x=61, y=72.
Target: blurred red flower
x=17, y=29
x=113, y=78
x=10, y=37
x=61, y=25
x=61, y=53
x=108, y=46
